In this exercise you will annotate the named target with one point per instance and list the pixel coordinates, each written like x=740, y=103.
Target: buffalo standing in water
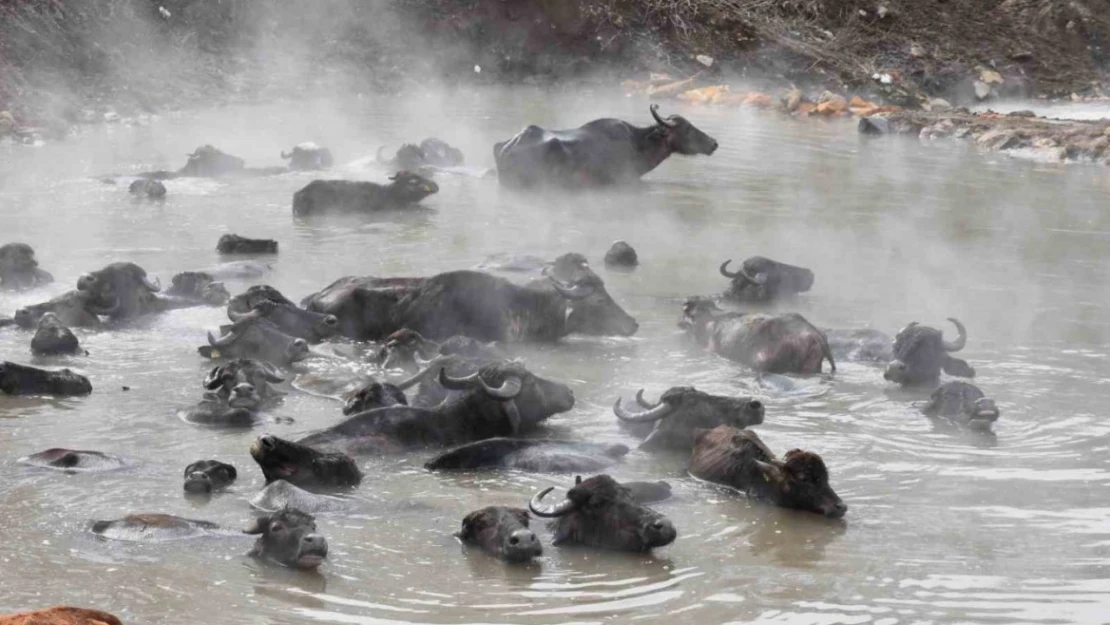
x=502, y=532
x=920, y=353
x=473, y=304
x=963, y=404
x=785, y=343
x=288, y=537
x=319, y=197
x=738, y=458
x=682, y=410
x=602, y=152
x=599, y=512
x=761, y=279
x=19, y=269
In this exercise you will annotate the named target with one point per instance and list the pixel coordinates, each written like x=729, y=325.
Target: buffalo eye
x=277, y=526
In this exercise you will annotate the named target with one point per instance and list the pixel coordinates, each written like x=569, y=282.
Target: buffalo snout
x=835, y=509
x=895, y=371
x=521, y=546
x=658, y=532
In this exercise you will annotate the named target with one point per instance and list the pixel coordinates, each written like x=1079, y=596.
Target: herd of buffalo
x=463, y=394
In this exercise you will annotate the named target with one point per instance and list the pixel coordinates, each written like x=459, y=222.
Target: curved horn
x=152, y=286
x=107, y=311
x=223, y=341
x=575, y=292
x=214, y=379
x=648, y=416
x=514, y=416
x=539, y=509
x=509, y=389
x=958, y=344
x=740, y=273
x=459, y=384
x=655, y=114
x=643, y=402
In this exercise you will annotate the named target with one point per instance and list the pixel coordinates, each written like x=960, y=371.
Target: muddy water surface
x=943, y=527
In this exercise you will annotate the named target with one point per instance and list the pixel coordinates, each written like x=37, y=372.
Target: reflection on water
x=944, y=527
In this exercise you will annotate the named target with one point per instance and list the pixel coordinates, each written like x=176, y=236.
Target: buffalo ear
x=957, y=367
x=258, y=526
x=772, y=473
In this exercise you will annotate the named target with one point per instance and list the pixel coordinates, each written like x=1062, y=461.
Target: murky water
x=943, y=527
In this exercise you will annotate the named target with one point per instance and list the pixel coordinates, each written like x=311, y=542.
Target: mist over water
x=943, y=526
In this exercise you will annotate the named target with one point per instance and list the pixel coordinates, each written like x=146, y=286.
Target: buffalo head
x=526, y=398
x=205, y=476
x=501, y=531
x=259, y=375
x=289, y=537
x=697, y=317
x=19, y=268
x=120, y=291
x=591, y=310
x=198, y=287
x=292, y=320
x=682, y=136
x=406, y=188
x=302, y=465
x=254, y=337
x=761, y=279
x=920, y=353
x=599, y=512
x=684, y=409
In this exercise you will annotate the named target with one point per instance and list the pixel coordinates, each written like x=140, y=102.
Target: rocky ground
x=67, y=62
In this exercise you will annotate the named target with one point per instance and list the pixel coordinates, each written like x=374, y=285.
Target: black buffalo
x=761, y=279
x=209, y=162
x=963, y=404
x=501, y=399
x=239, y=409
x=599, y=512
x=198, y=288
x=621, y=256
x=351, y=196
x=235, y=244
x=502, y=532
x=430, y=155
x=308, y=157
x=602, y=152
x=267, y=303
x=122, y=291
x=256, y=338
x=206, y=476
x=19, y=269
x=920, y=353
x=52, y=338
x=18, y=379
x=786, y=343
x=261, y=376
x=738, y=458
x=533, y=456
x=147, y=187
x=72, y=308
x=288, y=537
x=302, y=465
x=682, y=410
x=473, y=304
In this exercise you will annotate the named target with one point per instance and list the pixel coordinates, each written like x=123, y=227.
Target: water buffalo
x=302, y=465
x=123, y=291
x=52, y=338
x=75, y=460
x=963, y=404
x=260, y=375
x=154, y=527
x=61, y=615
x=502, y=532
x=621, y=256
x=533, y=456
x=500, y=399
x=280, y=494
x=209, y=162
x=147, y=187
x=353, y=196
x=599, y=512
x=430, y=155
x=920, y=353
x=235, y=244
x=862, y=345
x=198, y=288
x=372, y=395
x=19, y=269
x=682, y=410
x=460, y=355
x=256, y=338
x=71, y=308
x=308, y=156
x=761, y=279
x=23, y=380
x=738, y=458
x=239, y=409
x=287, y=316
x=785, y=343
x=205, y=476
x=288, y=537
x=602, y=152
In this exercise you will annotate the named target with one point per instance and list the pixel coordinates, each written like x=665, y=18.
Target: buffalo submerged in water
x=602, y=152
